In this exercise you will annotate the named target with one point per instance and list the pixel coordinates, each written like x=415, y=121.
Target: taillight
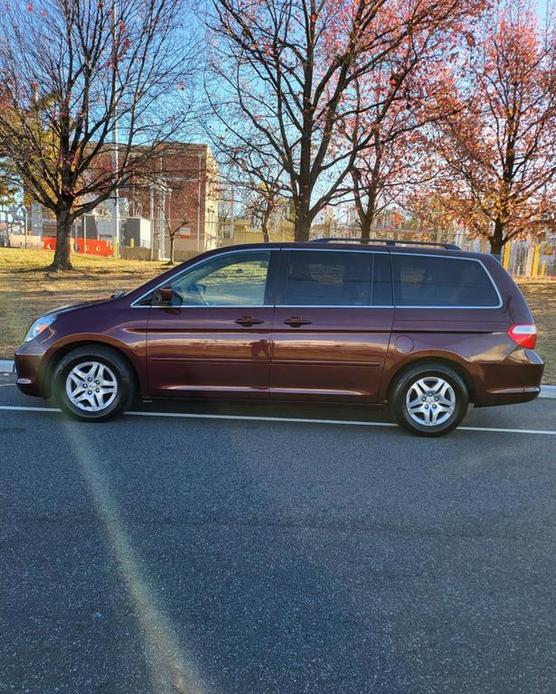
x=523, y=334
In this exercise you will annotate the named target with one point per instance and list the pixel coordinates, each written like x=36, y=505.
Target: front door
x=215, y=337
x=332, y=325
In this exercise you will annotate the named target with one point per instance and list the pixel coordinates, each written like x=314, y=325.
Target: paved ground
x=175, y=554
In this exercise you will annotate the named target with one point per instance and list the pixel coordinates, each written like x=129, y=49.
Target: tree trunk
x=302, y=227
x=63, y=241
x=365, y=213
x=172, y=242
x=266, y=235
x=302, y=230
x=497, y=238
x=366, y=223
x=302, y=207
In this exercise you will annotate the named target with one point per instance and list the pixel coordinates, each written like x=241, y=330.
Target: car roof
x=385, y=247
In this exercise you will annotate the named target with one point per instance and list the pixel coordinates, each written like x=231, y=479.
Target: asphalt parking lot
x=193, y=550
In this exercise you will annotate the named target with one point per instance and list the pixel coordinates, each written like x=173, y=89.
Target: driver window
x=230, y=280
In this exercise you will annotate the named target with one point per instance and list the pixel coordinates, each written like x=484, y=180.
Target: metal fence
x=531, y=259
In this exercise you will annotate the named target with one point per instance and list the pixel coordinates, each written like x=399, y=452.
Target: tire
x=427, y=392
x=107, y=389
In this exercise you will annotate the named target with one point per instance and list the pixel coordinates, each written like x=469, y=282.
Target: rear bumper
x=516, y=379
x=508, y=396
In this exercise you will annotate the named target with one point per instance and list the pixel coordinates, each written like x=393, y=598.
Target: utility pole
x=115, y=155
x=199, y=206
x=161, y=230
x=233, y=214
x=24, y=208
x=151, y=217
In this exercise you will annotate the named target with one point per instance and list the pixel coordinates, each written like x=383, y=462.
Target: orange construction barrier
x=80, y=245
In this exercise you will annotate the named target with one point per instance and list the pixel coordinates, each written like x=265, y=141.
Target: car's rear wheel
x=429, y=399
x=93, y=383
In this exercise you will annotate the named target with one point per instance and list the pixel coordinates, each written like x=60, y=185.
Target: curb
x=7, y=366
x=548, y=392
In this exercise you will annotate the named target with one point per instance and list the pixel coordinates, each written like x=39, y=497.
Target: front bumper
x=30, y=369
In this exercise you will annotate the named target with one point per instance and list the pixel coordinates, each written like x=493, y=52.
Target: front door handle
x=248, y=321
x=297, y=321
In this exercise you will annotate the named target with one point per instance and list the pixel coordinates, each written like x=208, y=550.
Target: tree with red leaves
x=90, y=95
x=498, y=145
x=401, y=95
x=395, y=159
x=287, y=73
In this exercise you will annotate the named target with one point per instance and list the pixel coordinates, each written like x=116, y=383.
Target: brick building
x=177, y=196
x=180, y=196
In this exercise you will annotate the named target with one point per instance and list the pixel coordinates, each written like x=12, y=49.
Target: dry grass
x=27, y=291
x=541, y=297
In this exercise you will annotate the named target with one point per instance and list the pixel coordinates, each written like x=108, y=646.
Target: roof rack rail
x=386, y=242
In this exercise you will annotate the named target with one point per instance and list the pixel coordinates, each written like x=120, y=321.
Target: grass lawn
x=541, y=297
x=27, y=291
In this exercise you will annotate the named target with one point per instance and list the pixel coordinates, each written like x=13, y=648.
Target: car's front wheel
x=429, y=399
x=93, y=383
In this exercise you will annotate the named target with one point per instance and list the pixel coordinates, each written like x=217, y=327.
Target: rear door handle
x=297, y=321
x=247, y=321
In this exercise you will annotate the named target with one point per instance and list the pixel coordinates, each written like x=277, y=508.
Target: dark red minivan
x=424, y=328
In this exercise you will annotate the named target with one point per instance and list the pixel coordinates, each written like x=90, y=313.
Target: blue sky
x=542, y=7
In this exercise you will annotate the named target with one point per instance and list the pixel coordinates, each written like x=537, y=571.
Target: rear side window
x=441, y=281
x=330, y=278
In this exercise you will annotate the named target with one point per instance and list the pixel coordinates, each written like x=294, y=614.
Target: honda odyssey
x=426, y=329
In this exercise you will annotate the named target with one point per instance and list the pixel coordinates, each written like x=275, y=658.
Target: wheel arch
x=65, y=349
x=443, y=360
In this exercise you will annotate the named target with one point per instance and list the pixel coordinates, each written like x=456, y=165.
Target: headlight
x=38, y=326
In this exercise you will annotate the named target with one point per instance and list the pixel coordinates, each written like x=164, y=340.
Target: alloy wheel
x=430, y=401
x=91, y=386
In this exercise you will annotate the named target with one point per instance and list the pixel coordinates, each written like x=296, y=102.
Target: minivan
x=424, y=328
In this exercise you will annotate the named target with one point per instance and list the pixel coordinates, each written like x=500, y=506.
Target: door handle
x=297, y=321
x=247, y=321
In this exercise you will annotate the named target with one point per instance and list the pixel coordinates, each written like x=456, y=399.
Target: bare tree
x=285, y=68
x=262, y=202
x=173, y=231
x=256, y=177
x=91, y=92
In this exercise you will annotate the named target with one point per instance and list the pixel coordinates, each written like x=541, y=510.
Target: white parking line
x=20, y=408
x=295, y=420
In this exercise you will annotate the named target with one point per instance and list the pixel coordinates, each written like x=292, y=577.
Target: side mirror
x=162, y=296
